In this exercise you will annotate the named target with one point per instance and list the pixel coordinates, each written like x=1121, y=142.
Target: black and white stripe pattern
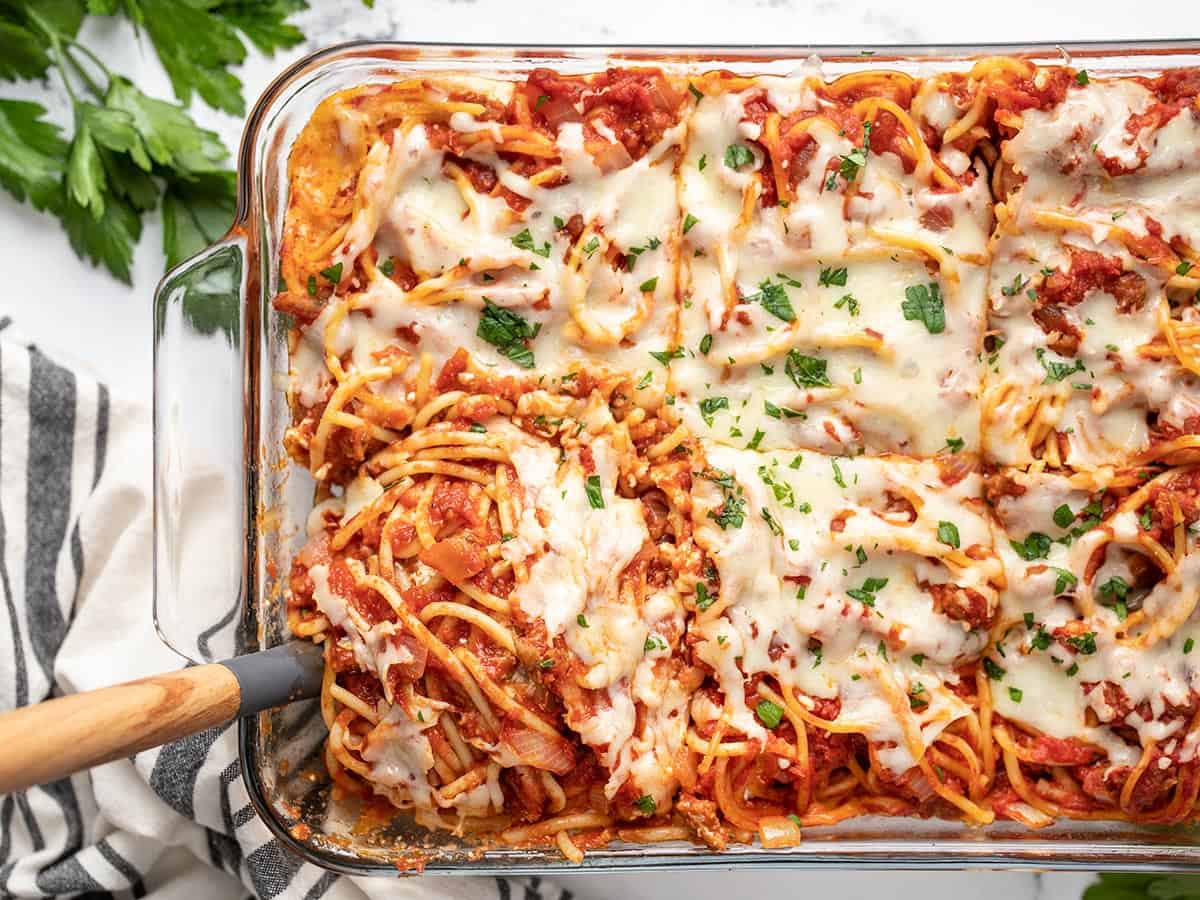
x=75, y=575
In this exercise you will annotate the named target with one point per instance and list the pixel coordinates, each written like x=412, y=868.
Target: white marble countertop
x=82, y=313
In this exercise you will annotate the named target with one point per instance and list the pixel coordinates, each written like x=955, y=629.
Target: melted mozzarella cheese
x=820, y=639
x=1050, y=680
x=893, y=385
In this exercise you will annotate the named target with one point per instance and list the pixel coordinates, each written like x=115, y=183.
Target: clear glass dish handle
x=201, y=452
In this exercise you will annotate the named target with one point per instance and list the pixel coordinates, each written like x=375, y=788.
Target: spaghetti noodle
x=713, y=457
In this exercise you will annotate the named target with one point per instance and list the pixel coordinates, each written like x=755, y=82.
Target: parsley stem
x=95, y=61
x=61, y=65
x=82, y=73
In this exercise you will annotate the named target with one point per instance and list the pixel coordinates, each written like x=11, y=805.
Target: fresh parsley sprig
x=127, y=153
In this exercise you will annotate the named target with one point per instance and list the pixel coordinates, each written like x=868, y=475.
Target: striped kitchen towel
x=75, y=551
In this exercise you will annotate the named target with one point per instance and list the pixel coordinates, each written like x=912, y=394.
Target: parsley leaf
x=832, y=277
x=1055, y=370
x=770, y=714
x=196, y=212
x=738, y=155
x=646, y=804
x=1035, y=546
x=665, y=356
x=866, y=594
x=947, y=533
x=1063, y=517
x=595, y=494
x=507, y=331
x=806, y=371
x=709, y=407
x=32, y=155
x=923, y=303
x=774, y=299
x=523, y=240
x=1085, y=643
x=1064, y=581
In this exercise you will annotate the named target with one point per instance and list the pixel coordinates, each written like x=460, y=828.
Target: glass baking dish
x=230, y=510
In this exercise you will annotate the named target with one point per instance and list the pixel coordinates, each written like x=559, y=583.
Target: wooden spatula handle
x=49, y=740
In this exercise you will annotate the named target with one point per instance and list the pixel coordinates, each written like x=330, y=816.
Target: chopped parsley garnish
x=703, y=598
x=837, y=474
x=806, y=371
x=654, y=642
x=772, y=410
x=738, y=155
x=1055, y=370
x=1063, y=517
x=524, y=241
x=770, y=714
x=851, y=163
x=703, y=162
x=507, y=331
x=923, y=303
x=1035, y=546
x=705, y=344
x=709, y=407
x=388, y=266
x=1188, y=645
x=1015, y=694
x=756, y=440
x=478, y=428
x=1085, y=643
x=545, y=664
x=1117, y=589
x=993, y=671
x=333, y=274
x=1041, y=640
x=648, y=285
x=832, y=278
x=955, y=445
x=689, y=222
x=1081, y=77
x=645, y=380
x=665, y=356
x=774, y=299
x=646, y=804
x=581, y=621
x=849, y=303
x=695, y=92
x=542, y=99
x=916, y=700
x=594, y=494
x=1018, y=285
x=775, y=527
x=1183, y=268
x=919, y=658
x=1065, y=580
x=866, y=594
x=312, y=285
x=732, y=513
x=947, y=533
x=591, y=246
